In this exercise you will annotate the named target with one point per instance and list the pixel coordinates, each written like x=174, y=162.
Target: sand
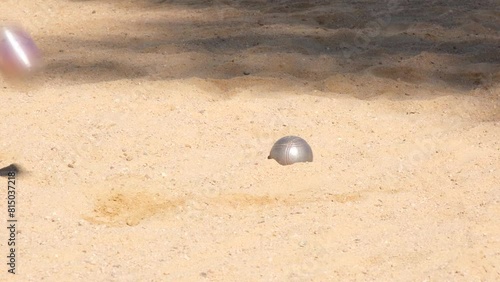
x=144, y=141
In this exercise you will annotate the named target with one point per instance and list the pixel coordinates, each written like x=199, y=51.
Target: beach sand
x=144, y=141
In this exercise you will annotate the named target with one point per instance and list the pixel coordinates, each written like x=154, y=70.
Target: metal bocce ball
x=19, y=55
x=291, y=149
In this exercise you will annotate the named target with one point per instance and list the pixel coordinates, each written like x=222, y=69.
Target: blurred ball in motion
x=19, y=55
x=291, y=149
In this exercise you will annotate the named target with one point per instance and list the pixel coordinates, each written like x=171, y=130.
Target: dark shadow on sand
x=358, y=36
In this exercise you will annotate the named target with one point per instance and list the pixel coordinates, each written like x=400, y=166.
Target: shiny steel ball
x=19, y=55
x=291, y=149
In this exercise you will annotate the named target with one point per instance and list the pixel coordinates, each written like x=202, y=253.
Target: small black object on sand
x=11, y=168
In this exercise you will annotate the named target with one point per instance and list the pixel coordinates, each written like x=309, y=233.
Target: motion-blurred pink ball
x=19, y=55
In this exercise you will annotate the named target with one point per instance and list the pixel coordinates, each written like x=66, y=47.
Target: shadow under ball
x=19, y=55
x=291, y=149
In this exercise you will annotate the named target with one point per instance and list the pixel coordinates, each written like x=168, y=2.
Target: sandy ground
x=145, y=139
